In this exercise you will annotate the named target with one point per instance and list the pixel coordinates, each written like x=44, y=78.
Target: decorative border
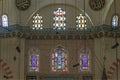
x=112, y=69
x=6, y=68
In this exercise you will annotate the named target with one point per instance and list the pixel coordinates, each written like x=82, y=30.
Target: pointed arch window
x=81, y=22
x=115, y=20
x=59, y=60
x=33, y=60
x=59, y=19
x=4, y=20
x=84, y=60
x=37, y=22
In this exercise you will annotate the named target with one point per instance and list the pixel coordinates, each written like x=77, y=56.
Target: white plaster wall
x=8, y=51
x=103, y=48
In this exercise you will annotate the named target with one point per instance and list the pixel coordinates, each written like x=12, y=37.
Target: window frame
x=116, y=14
x=63, y=22
x=4, y=21
x=66, y=52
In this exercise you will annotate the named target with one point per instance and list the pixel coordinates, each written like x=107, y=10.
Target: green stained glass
x=55, y=65
x=59, y=60
x=63, y=54
x=63, y=65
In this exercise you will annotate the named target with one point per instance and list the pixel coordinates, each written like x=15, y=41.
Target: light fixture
x=115, y=45
x=76, y=65
x=104, y=75
x=14, y=58
x=18, y=49
x=5, y=76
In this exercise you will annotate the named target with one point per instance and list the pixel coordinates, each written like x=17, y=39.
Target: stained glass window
x=59, y=60
x=115, y=21
x=84, y=60
x=4, y=20
x=37, y=22
x=81, y=22
x=59, y=19
x=34, y=61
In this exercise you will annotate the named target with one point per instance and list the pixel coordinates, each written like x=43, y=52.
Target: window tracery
x=115, y=20
x=37, y=22
x=85, y=60
x=33, y=60
x=81, y=22
x=59, y=60
x=4, y=20
x=59, y=19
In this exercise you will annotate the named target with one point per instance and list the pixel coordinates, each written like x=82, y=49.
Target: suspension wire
x=2, y=12
x=115, y=6
x=65, y=14
x=75, y=11
x=1, y=25
x=116, y=42
x=84, y=26
x=2, y=7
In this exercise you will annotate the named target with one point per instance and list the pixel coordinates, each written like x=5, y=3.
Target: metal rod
x=116, y=57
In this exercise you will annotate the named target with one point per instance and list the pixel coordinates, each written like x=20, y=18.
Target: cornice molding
x=69, y=34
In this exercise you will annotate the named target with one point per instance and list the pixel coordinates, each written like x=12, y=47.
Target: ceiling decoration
x=23, y=4
x=96, y=4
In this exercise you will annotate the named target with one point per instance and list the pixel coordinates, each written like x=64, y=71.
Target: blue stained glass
x=84, y=61
x=59, y=52
x=34, y=61
x=59, y=59
x=62, y=59
x=55, y=59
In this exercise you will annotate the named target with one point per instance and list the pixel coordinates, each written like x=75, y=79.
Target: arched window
x=115, y=20
x=59, y=19
x=59, y=60
x=81, y=22
x=37, y=22
x=33, y=60
x=84, y=60
x=4, y=20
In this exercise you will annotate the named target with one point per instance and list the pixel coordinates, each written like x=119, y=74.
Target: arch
x=59, y=19
x=59, y=59
x=5, y=20
x=37, y=22
x=6, y=68
x=115, y=20
x=81, y=22
x=112, y=69
x=85, y=59
x=33, y=60
x=53, y=4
